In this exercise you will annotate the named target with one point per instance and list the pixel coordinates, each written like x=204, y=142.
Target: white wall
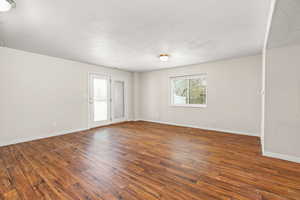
x=43, y=96
x=282, y=107
x=136, y=93
x=234, y=100
x=281, y=122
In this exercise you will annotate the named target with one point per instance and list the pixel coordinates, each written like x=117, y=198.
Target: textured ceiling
x=285, y=27
x=131, y=34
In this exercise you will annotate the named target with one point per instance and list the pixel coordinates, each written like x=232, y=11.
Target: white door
x=118, y=100
x=99, y=100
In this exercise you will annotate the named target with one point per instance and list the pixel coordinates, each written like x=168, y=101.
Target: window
x=189, y=90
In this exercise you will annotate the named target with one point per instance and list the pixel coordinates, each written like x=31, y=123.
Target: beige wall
x=282, y=107
x=234, y=100
x=42, y=96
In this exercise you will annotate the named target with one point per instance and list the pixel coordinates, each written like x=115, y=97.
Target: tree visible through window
x=189, y=90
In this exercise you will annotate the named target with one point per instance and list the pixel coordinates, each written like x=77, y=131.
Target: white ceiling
x=285, y=28
x=131, y=34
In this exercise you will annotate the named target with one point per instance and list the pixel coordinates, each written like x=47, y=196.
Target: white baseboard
x=135, y=120
x=282, y=156
x=27, y=139
x=203, y=128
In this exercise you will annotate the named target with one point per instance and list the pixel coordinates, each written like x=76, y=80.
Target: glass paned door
x=99, y=100
x=118, y=100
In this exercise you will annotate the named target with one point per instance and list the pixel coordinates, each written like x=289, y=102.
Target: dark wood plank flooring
x=145, y=161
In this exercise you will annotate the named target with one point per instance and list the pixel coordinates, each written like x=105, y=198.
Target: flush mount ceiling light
x=164, y=57
x=6, y=5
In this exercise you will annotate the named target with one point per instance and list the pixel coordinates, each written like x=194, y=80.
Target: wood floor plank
x=5, y=181
x=11, y=195
x=145, y=161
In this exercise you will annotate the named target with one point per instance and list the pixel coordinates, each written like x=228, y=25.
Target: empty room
x=149, y=100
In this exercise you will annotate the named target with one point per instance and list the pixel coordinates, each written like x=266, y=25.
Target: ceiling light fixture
x=164, y=57
x=6, y=5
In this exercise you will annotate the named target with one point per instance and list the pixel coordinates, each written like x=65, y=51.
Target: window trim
x=184, y=77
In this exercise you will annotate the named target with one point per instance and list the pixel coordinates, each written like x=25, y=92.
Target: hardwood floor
x=145, y=161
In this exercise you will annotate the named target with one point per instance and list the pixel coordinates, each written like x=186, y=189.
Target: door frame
x=110, y=109
x=113, y=101
x=90, y=107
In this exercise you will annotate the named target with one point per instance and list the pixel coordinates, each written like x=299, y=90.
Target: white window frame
x=184, y=77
